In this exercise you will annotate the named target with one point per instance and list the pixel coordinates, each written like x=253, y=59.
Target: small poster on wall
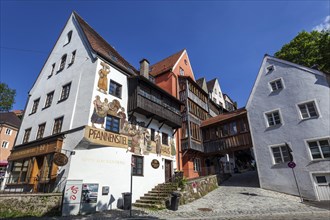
x=89, y=192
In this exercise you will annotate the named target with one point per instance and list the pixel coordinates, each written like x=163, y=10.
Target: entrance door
x=322, y=185
x=168, y=170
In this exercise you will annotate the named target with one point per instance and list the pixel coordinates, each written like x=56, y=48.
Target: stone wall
x=197, y=188
x=20, y=205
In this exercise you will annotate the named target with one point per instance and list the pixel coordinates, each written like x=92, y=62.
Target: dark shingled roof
x=10, y=118
x=165, y=64
x=200, y=82
x=103, y=48
x=223, y=117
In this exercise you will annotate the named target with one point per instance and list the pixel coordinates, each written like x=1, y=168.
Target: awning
x=3, y=163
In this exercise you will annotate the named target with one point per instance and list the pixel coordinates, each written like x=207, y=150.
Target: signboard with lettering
x=107, y=138
x=60, y=159
x=155, y=163
x=72, y=197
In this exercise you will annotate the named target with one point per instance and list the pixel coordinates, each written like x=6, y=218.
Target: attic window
x=270, y=68
x=185, y=62
x=113, y=57
x=68, y=38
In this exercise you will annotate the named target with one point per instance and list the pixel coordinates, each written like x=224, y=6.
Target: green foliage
x=7, y=97
x=308, y=49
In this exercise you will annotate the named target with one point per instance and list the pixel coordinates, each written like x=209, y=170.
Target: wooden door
x=168, y=170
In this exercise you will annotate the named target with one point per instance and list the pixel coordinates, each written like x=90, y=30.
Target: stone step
x=149, y=206
x=162, y=191
x=151, y=201
x=153, y=198
x=157, y=194
x=165, y=188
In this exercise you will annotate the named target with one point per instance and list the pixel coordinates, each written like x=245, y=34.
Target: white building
x=288, y=110
x=215, y=92
x=88, y=118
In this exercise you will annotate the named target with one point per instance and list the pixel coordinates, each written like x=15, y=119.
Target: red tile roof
x=101, y=47
x=10, y=118
x=165, y=64
x=223, y=117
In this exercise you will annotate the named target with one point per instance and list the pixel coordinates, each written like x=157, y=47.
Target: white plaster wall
x=299, y=86
x=80, y=74
x=215, y=94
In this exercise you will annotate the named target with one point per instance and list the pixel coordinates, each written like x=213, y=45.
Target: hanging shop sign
x=155, y=163
x=106, y=138
x=60, y=159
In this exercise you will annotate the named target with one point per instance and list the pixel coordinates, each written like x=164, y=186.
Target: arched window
x=68, y=38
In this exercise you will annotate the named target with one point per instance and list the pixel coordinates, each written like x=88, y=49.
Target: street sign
x=292, y=164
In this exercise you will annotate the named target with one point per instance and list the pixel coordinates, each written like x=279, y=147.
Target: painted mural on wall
x=138, y=136
x=102, y=83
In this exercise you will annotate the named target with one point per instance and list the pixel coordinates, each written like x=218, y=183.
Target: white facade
x=288, y=108
x=216, y=95
x=95, y=154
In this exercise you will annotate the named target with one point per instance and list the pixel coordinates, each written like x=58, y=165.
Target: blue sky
x=224, y=39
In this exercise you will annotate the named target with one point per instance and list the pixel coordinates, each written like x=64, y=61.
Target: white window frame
x=317, y=140
x=277, y=79
x=5, y=144
x=266, y=118
x=9, y=131
x=304, y=103
x=197, y=164
x=272, y=153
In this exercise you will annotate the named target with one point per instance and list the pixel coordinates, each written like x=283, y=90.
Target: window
x=8, y=131
x=112, y=124
x=19, y=172
x=308, y=110
x=232, y=128
x=197, y=165
x=73, y=56
x=185, y=62
x=276, y=85
x=65, y=91
x=115, y=89
x=52, y=70
x=49, y=99
x=35, y=106
x=68, y=38
x=270, y=68
x=41, y=130
x=320, y=149
x=281, y=154
x=57, y=125
x=26, y=135
x=273, y=118
x=181, y=71
x=5, y=144
x=62, y=65
x=164, y=138
x=152, y=137
x=321, y=179
x=138, y=165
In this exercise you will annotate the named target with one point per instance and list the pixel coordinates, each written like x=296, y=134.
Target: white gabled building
x=215, y=92
x=288, y=110
x=89, y=116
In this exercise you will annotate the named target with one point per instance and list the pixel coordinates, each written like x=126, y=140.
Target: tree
x=308, y=49
x=7, y=97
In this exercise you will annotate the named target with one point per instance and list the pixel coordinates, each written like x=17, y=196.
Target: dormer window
x=62, y=65
x=68, y=38
x=270, y=68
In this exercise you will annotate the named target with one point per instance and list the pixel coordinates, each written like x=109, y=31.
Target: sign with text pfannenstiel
x=106, y=138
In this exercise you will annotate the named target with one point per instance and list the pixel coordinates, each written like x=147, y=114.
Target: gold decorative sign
x=155, y=163
x=60, y=159
x=33, y=151
x=106, y=138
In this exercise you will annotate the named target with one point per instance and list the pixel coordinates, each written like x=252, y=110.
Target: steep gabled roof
x=223, y=117
x=101, y=47
x=202, y=83
x=165, y=64
x=10, y=118
x=210, y=84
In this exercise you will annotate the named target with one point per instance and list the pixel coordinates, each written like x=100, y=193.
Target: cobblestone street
x=238, y=198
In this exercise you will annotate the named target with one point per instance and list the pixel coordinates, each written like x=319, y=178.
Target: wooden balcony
x=228, y=144
x=153, y=103
x=191, y=145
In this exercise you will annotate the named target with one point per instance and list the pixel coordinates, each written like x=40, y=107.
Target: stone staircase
x=157, y=197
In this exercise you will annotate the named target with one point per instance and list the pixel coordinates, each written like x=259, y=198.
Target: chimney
x=144, y=68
